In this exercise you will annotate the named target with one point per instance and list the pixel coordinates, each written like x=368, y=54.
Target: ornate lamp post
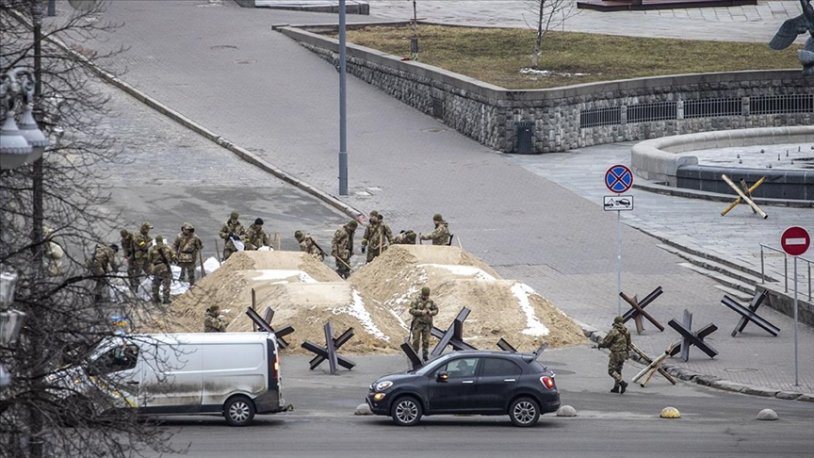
x=10, y=320
x=19, y=142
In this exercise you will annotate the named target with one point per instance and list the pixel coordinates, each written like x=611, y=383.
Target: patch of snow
x=464, y=271
x=210, y=265
x=522, y=292
x=536, y=72
x=357, y=310
x=282, y=274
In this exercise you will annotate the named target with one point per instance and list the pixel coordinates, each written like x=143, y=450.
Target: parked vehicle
x=468, y=382
x=234, y=374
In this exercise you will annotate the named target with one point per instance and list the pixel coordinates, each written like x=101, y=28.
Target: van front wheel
x=238, y=411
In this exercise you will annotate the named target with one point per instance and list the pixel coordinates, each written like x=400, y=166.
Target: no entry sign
x=795, y=241
x=618, y=178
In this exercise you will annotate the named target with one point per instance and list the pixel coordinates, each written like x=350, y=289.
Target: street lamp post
x=343, y=126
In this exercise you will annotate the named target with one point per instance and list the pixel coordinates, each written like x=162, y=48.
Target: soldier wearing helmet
x=439, y=235
x=128, y=247
x=422, y=310
x=161, y=257
x=618, y=341
x=232, y=230
x=309, y=245
x=377, y=236
x=187, y=245
x=141, y=246
x=342, y=247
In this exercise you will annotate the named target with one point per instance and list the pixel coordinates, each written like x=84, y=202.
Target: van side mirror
x=442, y=377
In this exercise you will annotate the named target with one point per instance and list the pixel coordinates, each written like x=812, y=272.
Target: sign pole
x=796, y=372
x=618, y=263
x=618, y=179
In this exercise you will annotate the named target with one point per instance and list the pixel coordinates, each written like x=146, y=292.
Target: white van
x=236, y=374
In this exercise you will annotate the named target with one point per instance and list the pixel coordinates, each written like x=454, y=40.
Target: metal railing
x=600, y=117
x=649, y=112
x=809, y=262
x=775, y=104
x=707, y=108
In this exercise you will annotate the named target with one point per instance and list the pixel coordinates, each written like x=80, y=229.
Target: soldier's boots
x=622, y=387
x=615, y=388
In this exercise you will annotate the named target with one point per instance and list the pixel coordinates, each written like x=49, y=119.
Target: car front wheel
x=406, y=411
x=239, y=411
x=524, y=412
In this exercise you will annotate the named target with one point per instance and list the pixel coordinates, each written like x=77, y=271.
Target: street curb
x=717, y=197
x=239, y=151
x=711, y=380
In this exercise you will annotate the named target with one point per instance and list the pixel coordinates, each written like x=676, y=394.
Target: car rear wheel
x=406, y=411
x=239, y=411
x=524, y=412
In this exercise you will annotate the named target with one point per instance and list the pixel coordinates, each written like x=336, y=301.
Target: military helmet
x=437, y=217
x=425, y=291
x=159, y=239
x=353, y=224
x=618, y=320
x=124, y=233
x=298, y=235
x=234, y=214
x=146, y=226
x=374, y=213
x=213, y=309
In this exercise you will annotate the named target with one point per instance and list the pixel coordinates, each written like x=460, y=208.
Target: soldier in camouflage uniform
x=161, y=257
x=618, y=341
x=256, y=237
x=128, y=247
x=342, y=247
x=309, y=245
x=101, y=265
x=422, y=309
x=231, y=227
x=213, y=322
x=405, y=238
x=187, y=245
x=439, y=235
x=377, y=237
x=141, y=246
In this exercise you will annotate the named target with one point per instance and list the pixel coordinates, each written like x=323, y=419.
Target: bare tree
x=549, y=14
x=62, y=191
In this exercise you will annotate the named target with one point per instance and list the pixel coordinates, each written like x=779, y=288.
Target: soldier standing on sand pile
x=439, y=235
x=618, y=341
x=213, y=322
x=141, y=244
x=342, y=247
x=186, y=246
x=309, y=245
x=231, y=229
x=161, y=257
x=422, y=309
x=256, y=237
x=377, y=238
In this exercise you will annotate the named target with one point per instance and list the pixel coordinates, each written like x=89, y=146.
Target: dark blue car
x=468, y=382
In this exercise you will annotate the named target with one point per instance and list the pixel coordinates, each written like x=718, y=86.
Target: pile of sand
x=499, y=308
x=303, y=292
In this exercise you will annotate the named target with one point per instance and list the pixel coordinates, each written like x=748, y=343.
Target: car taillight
x=548, y=382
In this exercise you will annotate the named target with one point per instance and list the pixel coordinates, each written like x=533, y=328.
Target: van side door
x=172, y=378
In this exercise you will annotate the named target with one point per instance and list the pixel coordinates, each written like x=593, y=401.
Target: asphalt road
x=713, y=423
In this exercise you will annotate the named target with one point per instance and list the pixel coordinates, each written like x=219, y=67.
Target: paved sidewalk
x=227, y=70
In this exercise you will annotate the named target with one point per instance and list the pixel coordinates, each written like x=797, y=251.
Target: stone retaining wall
x=548, y=120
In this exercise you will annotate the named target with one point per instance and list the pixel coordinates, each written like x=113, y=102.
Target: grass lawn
x=497, y=56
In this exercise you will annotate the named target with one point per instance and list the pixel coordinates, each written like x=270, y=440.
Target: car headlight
x=381, y=386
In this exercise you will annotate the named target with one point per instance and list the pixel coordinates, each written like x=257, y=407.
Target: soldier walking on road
x=141, y=244
x=231, y=229
x=342, y=247
x=618, y=341
x=161, y=257
x=256, y=237
x=102, y=264
x=213, y=322
x=422, y=309
x=187, y=245
x=309, y=245
x=128, y=246
x=439, y=235
x=377, y=237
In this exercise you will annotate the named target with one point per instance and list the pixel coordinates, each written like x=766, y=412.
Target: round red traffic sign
x=618, y=178
x=795, y=240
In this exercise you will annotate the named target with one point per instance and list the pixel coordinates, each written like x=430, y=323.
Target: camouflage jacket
x=418, y=309
x=439, y=235
x=128, y=245
x=187, y=247
x=141, y=244
x=342, y=243
x=405, y=238
x=103, y=261
x=214, y=324
x=617, y=339
x=160, y=257
x=309, y=246
x=256, y=237
x=376, y=234
x=232, y=227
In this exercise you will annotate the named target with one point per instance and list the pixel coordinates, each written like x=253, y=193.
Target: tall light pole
x=343, y=124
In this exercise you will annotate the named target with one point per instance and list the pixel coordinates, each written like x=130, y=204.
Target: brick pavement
x=410, y=166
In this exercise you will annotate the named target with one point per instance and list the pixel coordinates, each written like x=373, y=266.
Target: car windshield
x=434, y=364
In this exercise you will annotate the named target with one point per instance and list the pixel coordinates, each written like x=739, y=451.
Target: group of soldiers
x=378, y=237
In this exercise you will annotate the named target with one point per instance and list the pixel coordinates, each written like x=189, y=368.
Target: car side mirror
x=442, y=377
